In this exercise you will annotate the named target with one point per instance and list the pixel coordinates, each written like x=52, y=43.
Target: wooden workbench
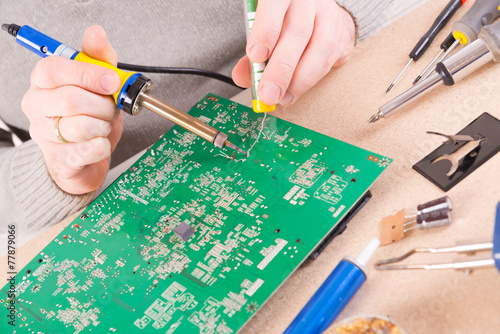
x=339, y=106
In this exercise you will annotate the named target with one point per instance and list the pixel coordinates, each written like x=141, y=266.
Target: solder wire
x=222, y=154
x=260, y=133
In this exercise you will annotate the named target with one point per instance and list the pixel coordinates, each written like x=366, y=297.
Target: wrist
x=350, y=22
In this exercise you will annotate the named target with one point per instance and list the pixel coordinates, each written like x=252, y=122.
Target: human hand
x=302, y=40
x=78, y=93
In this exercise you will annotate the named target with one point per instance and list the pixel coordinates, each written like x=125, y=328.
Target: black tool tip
x=12, y=29
x=389, y=89
x=417, y=79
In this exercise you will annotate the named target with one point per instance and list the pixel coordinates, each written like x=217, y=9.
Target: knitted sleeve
x=28, y=197
x=367, y=14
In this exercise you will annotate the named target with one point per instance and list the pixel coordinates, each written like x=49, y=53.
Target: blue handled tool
x=134, y=92
x=334, y=294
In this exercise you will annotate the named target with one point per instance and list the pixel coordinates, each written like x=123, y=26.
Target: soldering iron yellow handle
x=123, y=75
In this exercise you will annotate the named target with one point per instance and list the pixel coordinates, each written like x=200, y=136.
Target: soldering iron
x=134, y=92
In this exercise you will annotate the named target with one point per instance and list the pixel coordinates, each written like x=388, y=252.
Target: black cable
x=177, y=70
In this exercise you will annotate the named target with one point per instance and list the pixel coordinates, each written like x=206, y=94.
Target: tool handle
x=496, y=239
x=482, y=13
x=329, y=300
x=449, y=40
x=46, y=46
x=491, y=36
x=443, y=18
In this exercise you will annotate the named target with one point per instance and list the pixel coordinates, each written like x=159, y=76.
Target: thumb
x=95, y=44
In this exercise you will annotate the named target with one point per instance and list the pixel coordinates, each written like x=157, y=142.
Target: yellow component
x=459, y=35
x=258, y=106
x=123, y=75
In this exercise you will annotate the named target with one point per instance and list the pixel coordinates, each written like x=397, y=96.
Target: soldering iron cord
x=177, y=70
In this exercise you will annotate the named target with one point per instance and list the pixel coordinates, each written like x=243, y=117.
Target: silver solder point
x=375, y=117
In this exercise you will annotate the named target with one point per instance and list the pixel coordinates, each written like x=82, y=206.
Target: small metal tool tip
x=389, y=89
x=234, y=147
x=374, y=118
x=417, y=79
x=5, y=27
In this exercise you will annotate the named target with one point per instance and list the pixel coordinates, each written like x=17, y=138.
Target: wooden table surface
x=339, y=106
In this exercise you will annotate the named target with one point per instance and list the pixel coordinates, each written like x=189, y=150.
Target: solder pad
x=120, y=268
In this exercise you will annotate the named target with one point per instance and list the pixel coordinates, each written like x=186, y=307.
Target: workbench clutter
x=476, y=30
x=432, y=214
x=466, y=264
x=196, y=238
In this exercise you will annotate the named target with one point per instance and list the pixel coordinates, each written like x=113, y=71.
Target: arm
x=29, y=198
x=44, y=180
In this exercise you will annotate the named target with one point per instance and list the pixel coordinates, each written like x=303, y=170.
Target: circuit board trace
x=193, y=238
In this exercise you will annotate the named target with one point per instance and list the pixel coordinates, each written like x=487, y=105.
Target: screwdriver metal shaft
x=466, y=30
x=453, y=69
x=447, y=43
x=426, y=40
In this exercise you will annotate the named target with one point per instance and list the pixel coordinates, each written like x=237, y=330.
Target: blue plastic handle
x=496, y=239
x=330, y=299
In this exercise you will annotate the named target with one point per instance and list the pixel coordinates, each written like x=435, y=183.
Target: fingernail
x=259, y=53
x=287, y=99
x=270, y=92
x=108, y=82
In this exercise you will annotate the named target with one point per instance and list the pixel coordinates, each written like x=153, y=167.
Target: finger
x=54, y=71
x=330, y=42
x=80, y=128
x=96, y=45
x=266, y=29
x=116, y=131
x=78, y=155
x=241, y=73
x=80, y=181
x=297, y=30
x=67, y=101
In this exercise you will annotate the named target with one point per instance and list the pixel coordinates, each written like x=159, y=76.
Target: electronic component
x=447, y=165
x=435, y=213
x=467, y=264
x=183, y=231
x=127, y=264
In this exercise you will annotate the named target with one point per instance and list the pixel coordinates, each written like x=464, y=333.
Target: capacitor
x=429, y=220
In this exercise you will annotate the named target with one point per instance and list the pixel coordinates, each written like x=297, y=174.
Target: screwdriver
x=466, y=30
x=445, y=46
x=453, y=69
x=426, y=40
x=134, y=90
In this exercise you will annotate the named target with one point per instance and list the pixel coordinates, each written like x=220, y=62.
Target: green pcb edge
x=121, y=268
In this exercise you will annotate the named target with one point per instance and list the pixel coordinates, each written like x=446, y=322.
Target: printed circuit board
x=193, y=238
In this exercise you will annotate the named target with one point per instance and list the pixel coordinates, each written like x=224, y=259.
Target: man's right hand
x=79, y=93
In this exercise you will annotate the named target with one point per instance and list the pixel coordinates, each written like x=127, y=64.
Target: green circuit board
x=193, y=238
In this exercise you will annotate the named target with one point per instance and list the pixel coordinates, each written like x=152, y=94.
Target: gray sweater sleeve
x=27, y=191
x=368, y=14
x=28, y=196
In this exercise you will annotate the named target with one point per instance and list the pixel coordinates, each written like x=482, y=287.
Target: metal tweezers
x=466, y=264
x=469, y=248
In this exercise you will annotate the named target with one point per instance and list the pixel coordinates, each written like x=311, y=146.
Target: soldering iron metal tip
x=374, y=118
x=5, y=27
x=234, y=147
